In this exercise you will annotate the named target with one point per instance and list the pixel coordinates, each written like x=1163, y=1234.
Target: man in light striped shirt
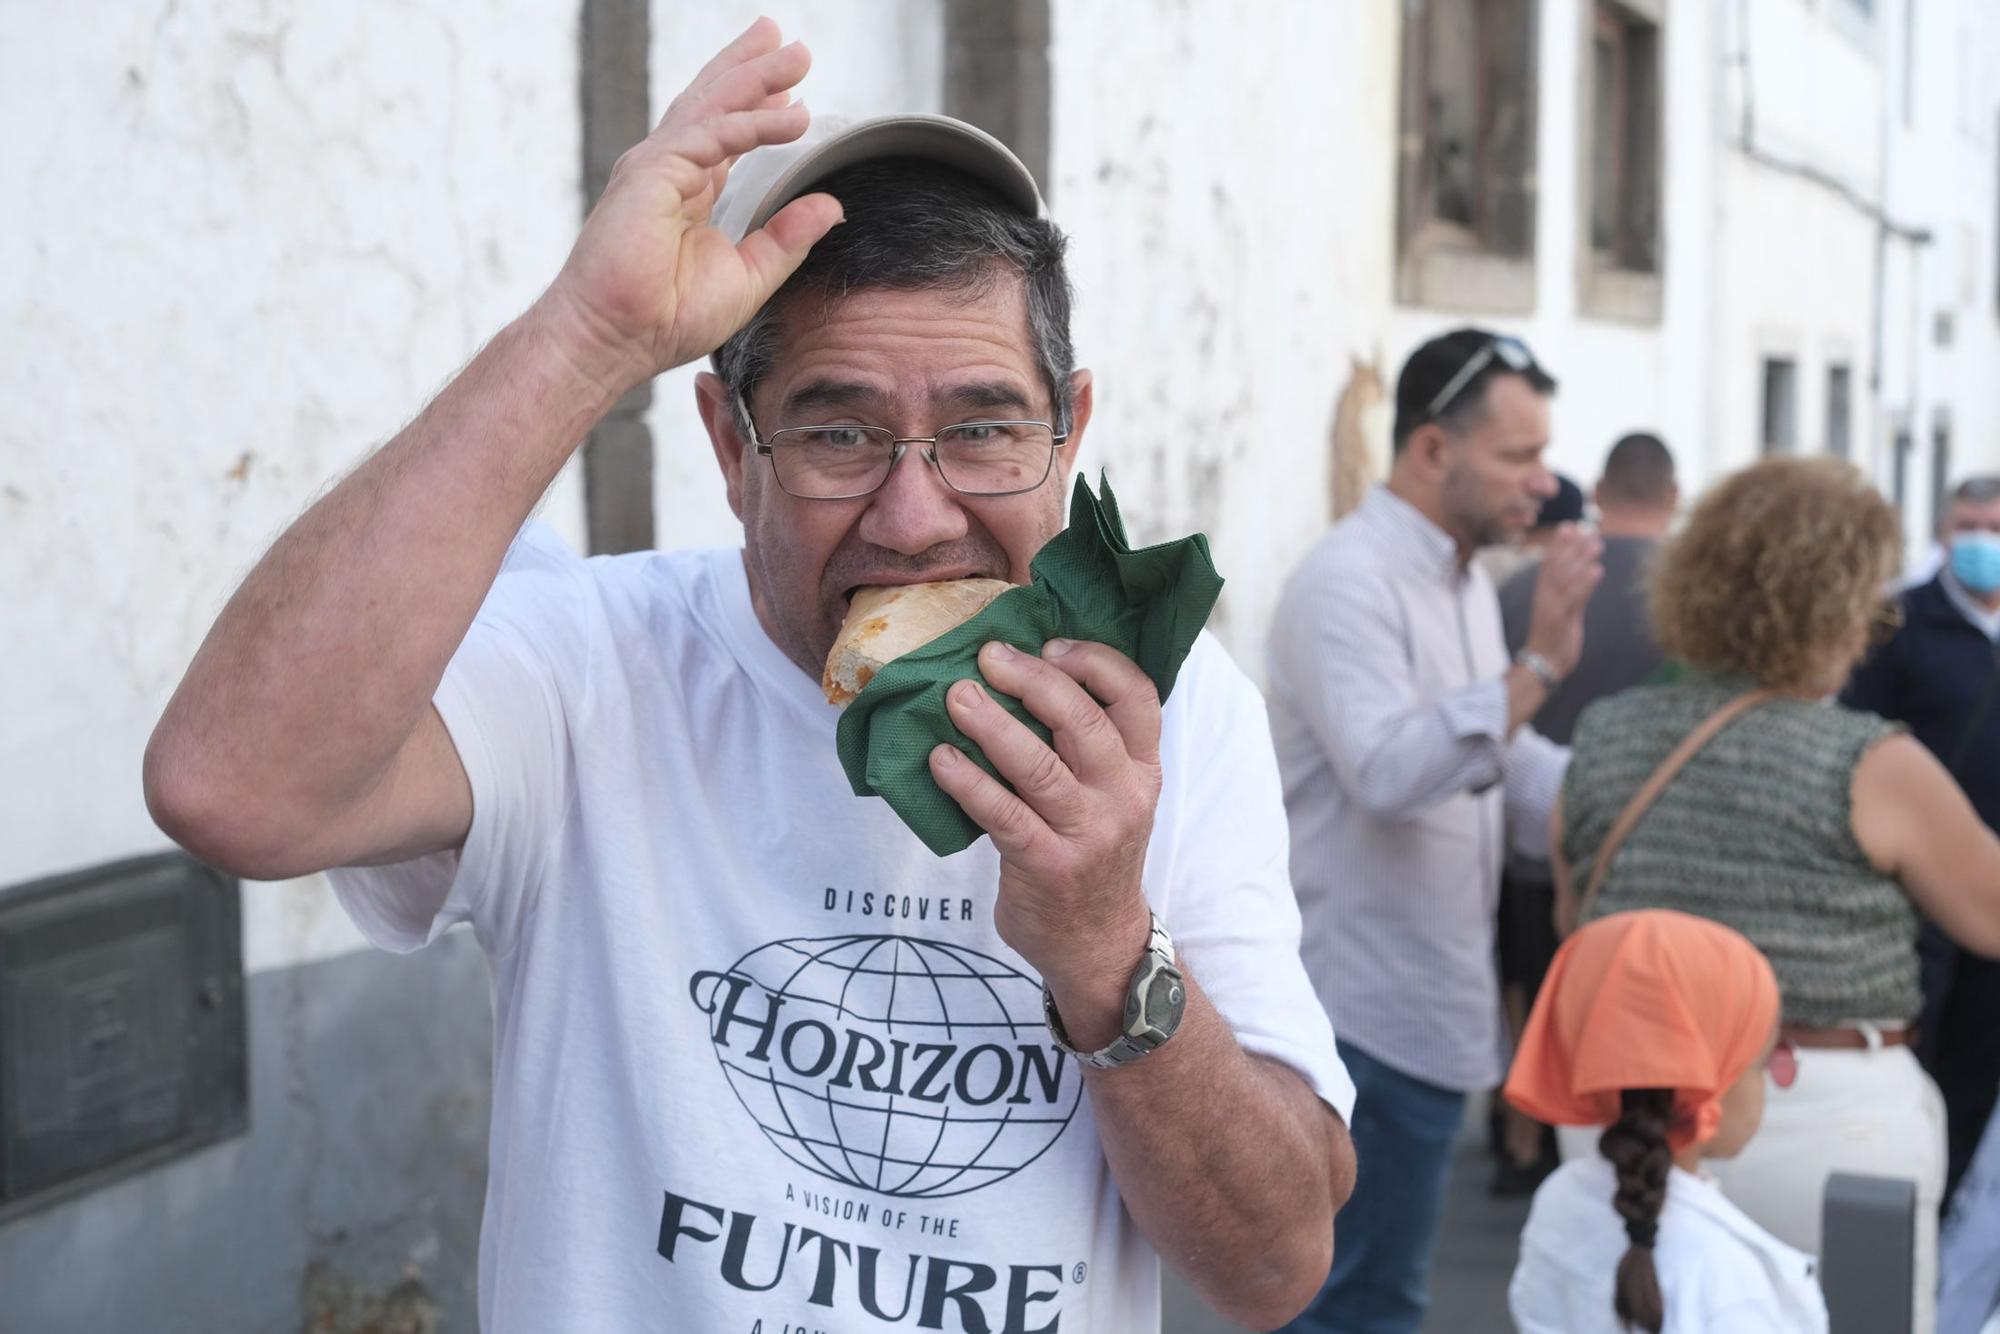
x=1401, y=731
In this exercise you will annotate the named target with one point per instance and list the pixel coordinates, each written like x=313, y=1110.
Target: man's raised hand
x=650, y=285
x=1571, y=569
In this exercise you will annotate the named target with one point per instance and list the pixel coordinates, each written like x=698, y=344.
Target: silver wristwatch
x=1543, y=670
x=1153, y=1007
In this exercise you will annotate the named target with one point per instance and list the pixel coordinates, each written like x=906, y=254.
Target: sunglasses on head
x=1509, y=352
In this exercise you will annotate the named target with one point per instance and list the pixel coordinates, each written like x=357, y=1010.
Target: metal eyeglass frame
x=1510, y=351
x=897, y=443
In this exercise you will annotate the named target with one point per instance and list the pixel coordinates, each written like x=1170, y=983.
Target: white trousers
x=1872, y=1112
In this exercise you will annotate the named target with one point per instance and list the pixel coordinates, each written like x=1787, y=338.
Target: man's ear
x=1082, y=399
x=1428, y=451
x=717, y=407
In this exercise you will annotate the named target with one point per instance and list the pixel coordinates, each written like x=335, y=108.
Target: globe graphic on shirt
x=911, y=1068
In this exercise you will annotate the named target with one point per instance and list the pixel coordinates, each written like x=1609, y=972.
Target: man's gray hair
x=910, y=225
x=1980, y=490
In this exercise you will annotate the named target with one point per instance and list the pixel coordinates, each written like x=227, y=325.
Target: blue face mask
x=1975, y=561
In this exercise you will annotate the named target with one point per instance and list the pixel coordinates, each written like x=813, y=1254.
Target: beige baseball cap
x=765, y=179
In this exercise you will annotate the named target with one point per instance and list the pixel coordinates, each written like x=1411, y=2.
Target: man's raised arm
x=303, y=735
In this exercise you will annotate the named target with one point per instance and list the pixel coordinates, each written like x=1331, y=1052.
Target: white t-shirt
x=1719, y=1272
x=761, y=1061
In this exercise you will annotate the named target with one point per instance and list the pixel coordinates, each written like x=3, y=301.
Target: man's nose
x=914, y=510
x=1545, y=484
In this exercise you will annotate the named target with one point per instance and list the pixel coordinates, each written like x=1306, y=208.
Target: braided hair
x=1637, y=1147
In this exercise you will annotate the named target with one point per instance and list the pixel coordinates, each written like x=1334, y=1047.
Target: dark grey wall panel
x=355, y=1196
x=121, y=1024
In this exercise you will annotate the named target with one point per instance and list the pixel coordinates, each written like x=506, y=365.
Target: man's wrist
x=1537, y=665
x=1090, y=989
x=586, y=348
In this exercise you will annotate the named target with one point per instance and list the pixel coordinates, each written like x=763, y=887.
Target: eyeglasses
x=1509, y=352
x=1885, y=621
x=847, y=461
x=1783, y=1063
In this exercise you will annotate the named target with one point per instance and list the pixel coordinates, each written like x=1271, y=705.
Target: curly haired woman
x=1818, y=832
x=1659, y=1026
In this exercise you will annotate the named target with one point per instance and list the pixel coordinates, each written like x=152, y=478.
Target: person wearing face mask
x=1974, y=566
x=1823, y=834
x=1940, y=676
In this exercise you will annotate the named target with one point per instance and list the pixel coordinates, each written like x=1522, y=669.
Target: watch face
x=1166, y=998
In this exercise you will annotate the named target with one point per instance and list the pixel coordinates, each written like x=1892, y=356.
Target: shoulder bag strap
x=1642, y=800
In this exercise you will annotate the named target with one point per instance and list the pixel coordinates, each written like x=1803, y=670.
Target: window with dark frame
x=1780, y=405
x=1839, y=411
x=1625, y=139
x=1466, y=171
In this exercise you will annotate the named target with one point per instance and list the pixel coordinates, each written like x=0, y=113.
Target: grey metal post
x=1867, y=1254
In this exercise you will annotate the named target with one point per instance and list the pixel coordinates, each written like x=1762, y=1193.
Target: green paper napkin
x=1088, y=584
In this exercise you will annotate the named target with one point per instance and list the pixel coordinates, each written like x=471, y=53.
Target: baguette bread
x=886, y=622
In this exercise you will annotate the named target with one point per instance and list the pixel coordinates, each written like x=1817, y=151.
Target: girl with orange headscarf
x=1659, y=1026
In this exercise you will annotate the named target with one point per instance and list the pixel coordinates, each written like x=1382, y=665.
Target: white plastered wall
x=244, y=245
x=1224, y=174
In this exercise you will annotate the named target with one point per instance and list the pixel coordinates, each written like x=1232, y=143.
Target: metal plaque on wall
x=122, y=1037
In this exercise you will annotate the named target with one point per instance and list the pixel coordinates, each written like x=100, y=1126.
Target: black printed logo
x=911, y=1068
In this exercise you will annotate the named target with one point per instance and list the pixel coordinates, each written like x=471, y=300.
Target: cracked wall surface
x=245, y=242
x=1224, y=175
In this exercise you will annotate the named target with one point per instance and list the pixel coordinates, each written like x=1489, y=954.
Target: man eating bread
x=755, y=1065
x=886, y=622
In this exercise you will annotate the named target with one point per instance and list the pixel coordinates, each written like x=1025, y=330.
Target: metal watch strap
x=1543, y=670
x=1140, y=1038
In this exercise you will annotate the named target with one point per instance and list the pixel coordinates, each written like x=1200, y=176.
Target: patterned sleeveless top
x=1756, y=833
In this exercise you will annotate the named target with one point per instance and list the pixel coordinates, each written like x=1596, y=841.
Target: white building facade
x=1940, y=400
x=245, y=247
